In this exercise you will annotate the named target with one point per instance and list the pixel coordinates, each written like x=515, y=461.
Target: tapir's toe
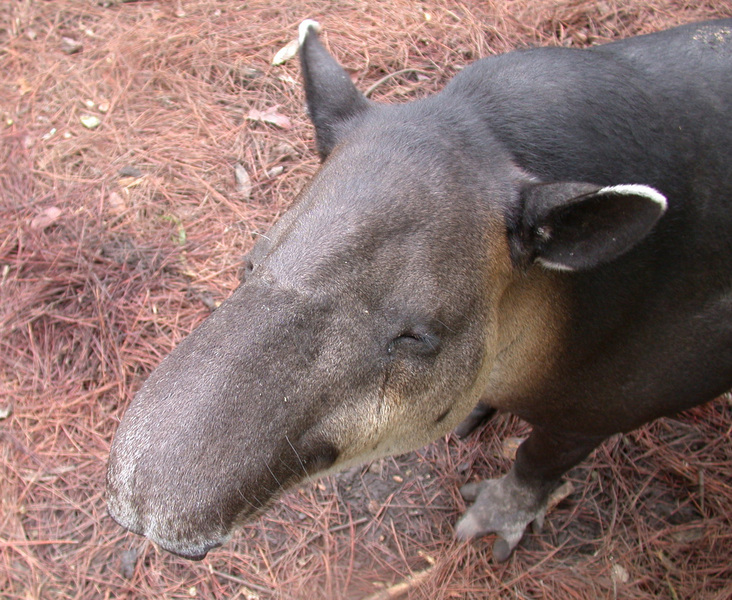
x=470, y=491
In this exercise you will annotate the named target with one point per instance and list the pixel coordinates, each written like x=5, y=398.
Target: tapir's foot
x=503, y=506
x=479, y=415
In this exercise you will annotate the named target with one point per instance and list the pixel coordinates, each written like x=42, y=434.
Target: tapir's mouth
x=198, y=556
x=195, y=552
x=190, y=550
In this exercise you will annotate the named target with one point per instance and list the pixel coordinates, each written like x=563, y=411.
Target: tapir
x=549, y=236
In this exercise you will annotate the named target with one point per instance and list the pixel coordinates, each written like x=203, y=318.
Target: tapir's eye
x=417, y=342
x=246, y=269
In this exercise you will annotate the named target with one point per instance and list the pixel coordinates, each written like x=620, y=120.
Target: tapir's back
x=639, y=109
x=696, y=53
x=689, y=76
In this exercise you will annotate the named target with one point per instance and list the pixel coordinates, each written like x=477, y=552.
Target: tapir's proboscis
x=549, y=236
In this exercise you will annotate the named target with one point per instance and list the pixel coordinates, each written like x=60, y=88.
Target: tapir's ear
x=577, y=226
x=332, y=98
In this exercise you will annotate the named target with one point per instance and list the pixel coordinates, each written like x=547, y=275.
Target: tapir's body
x=655, y=110
x=550, y=235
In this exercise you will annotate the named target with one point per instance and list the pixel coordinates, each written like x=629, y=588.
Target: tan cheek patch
x=524, y=323
x=529, y=335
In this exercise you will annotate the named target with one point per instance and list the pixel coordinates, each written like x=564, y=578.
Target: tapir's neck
x=541, y=111
x=530, y=323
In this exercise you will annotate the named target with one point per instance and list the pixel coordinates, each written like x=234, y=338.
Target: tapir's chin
x=195, y=548
x=195, y=552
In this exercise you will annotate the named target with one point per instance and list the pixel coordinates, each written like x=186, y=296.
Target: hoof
x=504, y=507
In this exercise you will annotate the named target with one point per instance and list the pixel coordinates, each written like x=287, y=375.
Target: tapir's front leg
x=506, y=506
x=482, y=412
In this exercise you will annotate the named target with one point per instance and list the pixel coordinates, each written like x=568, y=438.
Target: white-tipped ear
x=645, y=192
x=304, y=27
x=570, y=226
x=332, y=99
x=635, y=189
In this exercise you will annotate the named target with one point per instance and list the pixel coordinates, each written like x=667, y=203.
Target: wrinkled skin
x=545, y=236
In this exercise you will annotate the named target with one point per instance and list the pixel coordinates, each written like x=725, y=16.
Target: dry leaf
x=70, y=45
x=689, y=533
x=561, y=493
x=620, y=574
x=90, y=121
x=282, y=151
x=128, y=182
x=23, y=86
x=128, y=560
x=286, y=53
x=270, y=116
x=243, y=181
x=510, y=446
x=47, y=218
x=116, y=203
x=288, y=79
x=6, y=411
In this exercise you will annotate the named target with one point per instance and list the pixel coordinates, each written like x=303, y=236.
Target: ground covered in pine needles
x=143, y=147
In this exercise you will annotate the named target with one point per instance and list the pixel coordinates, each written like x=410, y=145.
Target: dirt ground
x=123, y=126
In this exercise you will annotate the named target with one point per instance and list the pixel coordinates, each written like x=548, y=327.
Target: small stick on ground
x=399, y=589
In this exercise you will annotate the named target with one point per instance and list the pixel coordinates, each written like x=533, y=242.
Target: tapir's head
x=368, y=321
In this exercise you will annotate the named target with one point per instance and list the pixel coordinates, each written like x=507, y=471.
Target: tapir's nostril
x=245, y=270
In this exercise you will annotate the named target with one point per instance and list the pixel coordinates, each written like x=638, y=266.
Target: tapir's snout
x=298, y=373
x=169, y=536
x=223, y=426
x=185, y=548
x=179, y=533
